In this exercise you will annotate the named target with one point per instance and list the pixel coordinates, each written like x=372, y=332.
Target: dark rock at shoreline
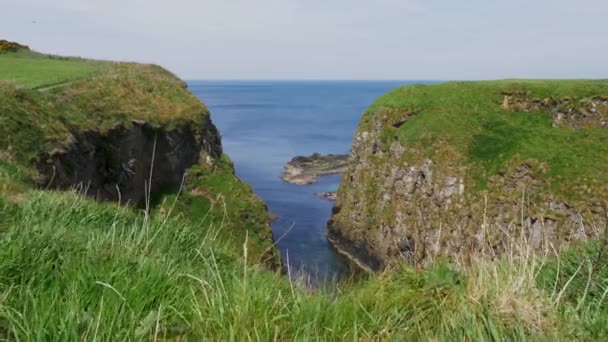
x=327, y=195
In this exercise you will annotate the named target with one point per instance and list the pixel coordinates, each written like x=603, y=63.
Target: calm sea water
x=264, y=125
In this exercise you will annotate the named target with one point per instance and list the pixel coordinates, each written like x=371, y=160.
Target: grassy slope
x=73, y=269
x=34, y=70
x=468, y=117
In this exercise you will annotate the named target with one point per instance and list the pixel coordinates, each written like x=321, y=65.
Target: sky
x=325, y=39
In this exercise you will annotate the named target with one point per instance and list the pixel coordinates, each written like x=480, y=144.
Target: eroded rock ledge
x=566, y=111
x=305, y=170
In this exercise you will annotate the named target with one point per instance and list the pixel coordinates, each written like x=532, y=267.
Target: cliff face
x=462, y=168
x=112, y=133
x=120, y=163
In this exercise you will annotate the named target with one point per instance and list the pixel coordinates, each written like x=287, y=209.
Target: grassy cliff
x=51, y=104
x=191, y=264
x=463, y=167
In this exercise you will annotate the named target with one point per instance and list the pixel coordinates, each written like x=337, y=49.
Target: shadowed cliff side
x=121, y=164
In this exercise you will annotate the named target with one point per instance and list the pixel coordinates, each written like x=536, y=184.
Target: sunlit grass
x=74, y=269
x=33, y=70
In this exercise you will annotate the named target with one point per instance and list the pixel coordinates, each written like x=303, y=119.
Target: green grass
x=216, y=195
x=468, y=117
x=580, y=277
x=73, y=269
x=196, y=268
x=33, y=70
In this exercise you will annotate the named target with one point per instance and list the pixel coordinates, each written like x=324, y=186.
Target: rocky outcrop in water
x=305, y=170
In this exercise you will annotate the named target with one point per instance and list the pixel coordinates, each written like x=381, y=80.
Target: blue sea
x=263, y=126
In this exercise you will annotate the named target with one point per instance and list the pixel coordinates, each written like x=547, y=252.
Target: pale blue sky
x=316, y=39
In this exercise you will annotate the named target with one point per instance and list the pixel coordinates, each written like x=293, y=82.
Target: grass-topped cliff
x=454, y=168
x=118, y=131
x=190, y=261
x=92, y=96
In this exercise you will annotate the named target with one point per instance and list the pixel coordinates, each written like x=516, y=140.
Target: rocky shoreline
x=303, y=170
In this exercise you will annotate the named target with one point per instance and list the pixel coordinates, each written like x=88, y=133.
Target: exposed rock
x=116, y=165
x=272, y=216
x=327, y=195
x=305, y=170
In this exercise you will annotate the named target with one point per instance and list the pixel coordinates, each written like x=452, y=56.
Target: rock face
x=305, y=170
x=117, y=164
x=411, y=203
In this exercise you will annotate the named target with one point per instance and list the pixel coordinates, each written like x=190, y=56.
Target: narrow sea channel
x=264, y=124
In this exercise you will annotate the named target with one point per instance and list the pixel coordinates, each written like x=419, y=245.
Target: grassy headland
x=468, y=117
x=75, y=269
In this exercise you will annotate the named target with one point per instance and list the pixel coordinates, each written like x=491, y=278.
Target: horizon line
x=308, y=80
x=386, y=80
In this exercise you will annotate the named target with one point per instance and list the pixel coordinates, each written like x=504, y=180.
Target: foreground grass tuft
x=74, y=269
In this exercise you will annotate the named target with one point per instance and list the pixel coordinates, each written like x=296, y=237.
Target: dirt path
x=53, y=86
